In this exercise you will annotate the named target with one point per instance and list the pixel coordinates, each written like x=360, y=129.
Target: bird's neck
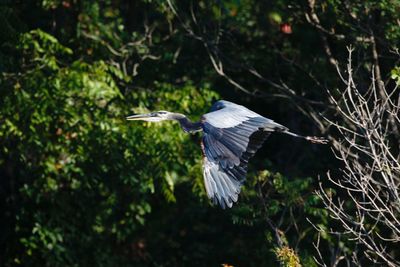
x=186, y=124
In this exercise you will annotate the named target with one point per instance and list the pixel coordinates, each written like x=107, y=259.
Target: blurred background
x=81, y=186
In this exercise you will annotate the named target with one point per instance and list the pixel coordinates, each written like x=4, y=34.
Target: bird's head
x=156, y=116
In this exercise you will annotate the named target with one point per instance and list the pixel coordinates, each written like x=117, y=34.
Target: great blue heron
x=231, y=136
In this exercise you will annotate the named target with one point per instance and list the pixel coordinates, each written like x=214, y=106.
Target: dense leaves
x=80, y=186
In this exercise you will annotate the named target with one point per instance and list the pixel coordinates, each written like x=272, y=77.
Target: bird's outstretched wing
x=232, y=135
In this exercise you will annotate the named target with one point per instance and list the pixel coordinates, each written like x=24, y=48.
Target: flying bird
x=231, y=136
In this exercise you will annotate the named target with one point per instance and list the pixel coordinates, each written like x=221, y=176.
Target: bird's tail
x=276, y=127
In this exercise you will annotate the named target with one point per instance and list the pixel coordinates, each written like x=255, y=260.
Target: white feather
x=229, y=117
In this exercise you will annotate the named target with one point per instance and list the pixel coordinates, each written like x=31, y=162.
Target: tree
x=366, y=202
x=80, y=186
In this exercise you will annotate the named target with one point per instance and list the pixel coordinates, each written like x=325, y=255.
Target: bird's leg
x=317, y=140
x=312, y=139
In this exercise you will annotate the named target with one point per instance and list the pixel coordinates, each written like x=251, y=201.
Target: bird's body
x=232, y=134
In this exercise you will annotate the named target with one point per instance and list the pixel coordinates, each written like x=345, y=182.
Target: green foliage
x=285, y=202
x=74, y=150
x=84, y=187
x=287, y=257
x=395, y=75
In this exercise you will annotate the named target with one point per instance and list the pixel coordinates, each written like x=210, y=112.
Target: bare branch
x=370, y=177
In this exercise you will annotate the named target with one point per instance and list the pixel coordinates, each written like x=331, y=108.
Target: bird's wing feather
x=220, y=186
x=229, y=116
x=227, y=150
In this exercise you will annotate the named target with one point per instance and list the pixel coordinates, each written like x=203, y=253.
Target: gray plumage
x=232, y=134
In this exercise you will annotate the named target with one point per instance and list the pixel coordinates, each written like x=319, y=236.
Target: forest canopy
x=81, y=186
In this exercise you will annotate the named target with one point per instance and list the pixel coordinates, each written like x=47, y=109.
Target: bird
x=232, y=134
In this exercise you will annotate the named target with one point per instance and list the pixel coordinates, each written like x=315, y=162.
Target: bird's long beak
x=151, y=117
x=140, y=117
